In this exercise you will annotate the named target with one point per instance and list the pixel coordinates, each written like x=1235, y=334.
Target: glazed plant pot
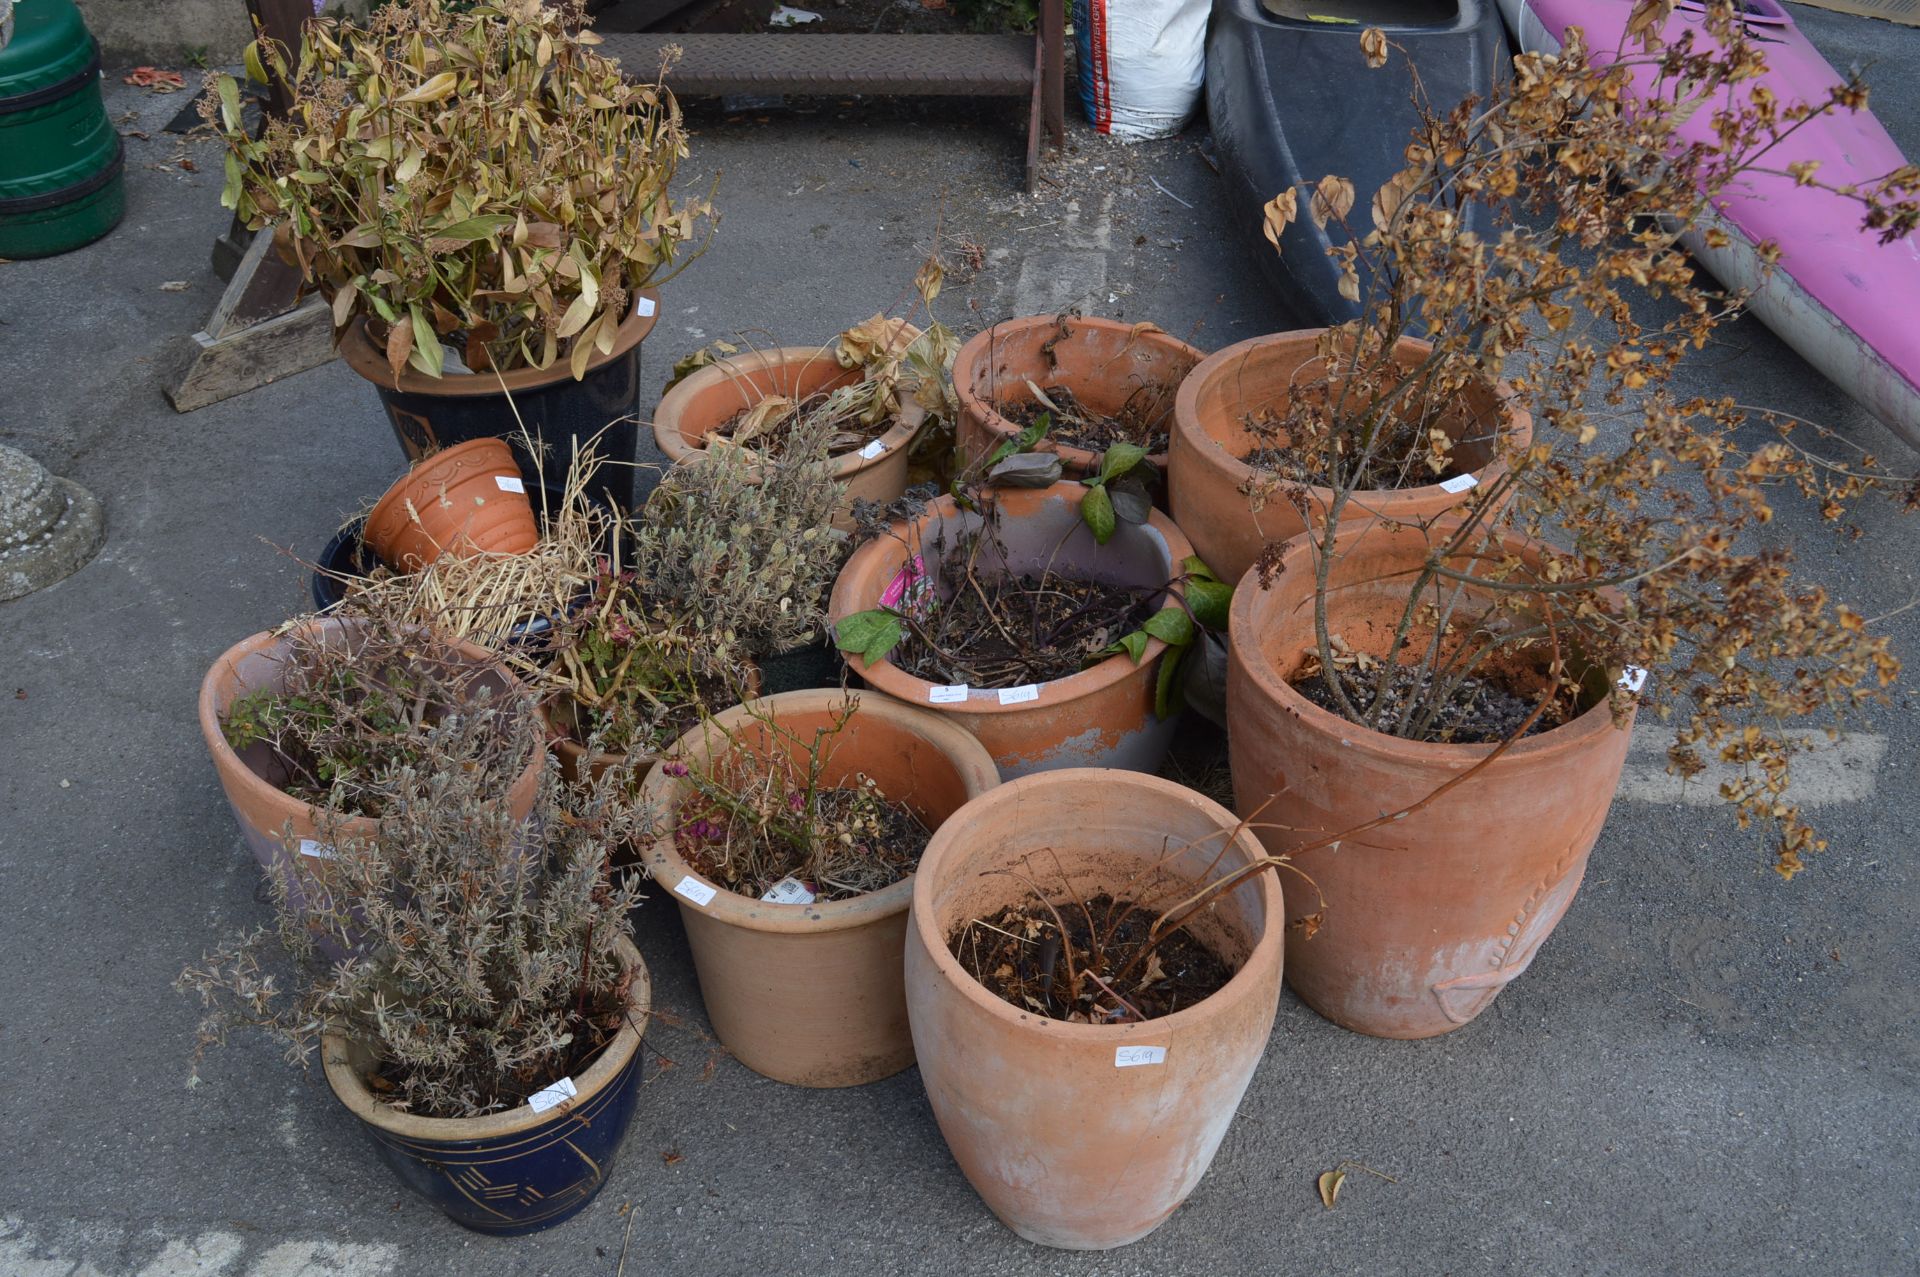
x=1102, y=716
x=1207, y=480
x=252, y=778
x=467, y=500
x=559, y=413
x=518, y=1171
x=1105, y=363
x=1428, y=918
x=1080, y=1135
x=709, y=398
x=811, y=994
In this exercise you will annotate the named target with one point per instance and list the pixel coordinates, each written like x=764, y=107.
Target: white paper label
x=952, y=694
x=695, y=890
x=643, y=306
x=557, y=1094
x=1019, y=695
x=318, y=850
x=510, y=483
x=1633, y=678
x=873, y=450
x=789, y=891
x=1127, y=1057
x=1459, y=483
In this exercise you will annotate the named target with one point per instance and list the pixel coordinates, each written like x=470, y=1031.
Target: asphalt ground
x=1706, y=1070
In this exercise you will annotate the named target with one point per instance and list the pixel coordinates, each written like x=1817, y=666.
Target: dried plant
x=760, y=808
x=359, y=705
x=1645, y=506
x=472, y=954
x=469, y=173
x=745, y=553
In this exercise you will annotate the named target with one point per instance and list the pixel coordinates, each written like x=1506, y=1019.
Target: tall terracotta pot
x=811, y=994
x=1105, y=363
x=466, y=500
x=1102, y=716
x=252, y=779
x=519, y=1171
x=712, y=396
x=1207, y=479
x=1077, y=1135
x=1428, y=918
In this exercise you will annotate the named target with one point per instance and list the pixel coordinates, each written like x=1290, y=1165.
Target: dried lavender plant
x=472, y=953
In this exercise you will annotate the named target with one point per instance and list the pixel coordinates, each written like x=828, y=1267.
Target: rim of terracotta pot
x=263, y=790
x=370, y=361
x=1252, y=609
x=883, y=675
x=1070, y=455
x=667, y=867
x=950, y=840
x=672, y=439
x=1516, y=429
x=351, y=1089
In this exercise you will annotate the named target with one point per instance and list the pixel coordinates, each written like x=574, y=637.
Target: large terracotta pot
x=251, y=779
x=1078, y=1135
x=811, y=994
x=466, y=500
x=519, y=1171
x=1100, y=717
x=557, y=411
x=712, y=396
x=1104, y=362
x=1428, y=918
x=1206, y=476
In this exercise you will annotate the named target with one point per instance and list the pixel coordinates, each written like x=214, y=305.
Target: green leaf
x=1096, y=511
x=426, y=354
x=474, y=228
x=1211, y=602
x=1133, y=643
x=1166, y=687
x=1131, y=504
x=1196, y=569
x=1025, y=441
x=1170, y=625
x=229, y=89
x=872, y=634
x=1119, y=459
x=256, y=70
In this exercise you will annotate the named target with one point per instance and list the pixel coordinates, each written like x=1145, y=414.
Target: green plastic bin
x=61, y=183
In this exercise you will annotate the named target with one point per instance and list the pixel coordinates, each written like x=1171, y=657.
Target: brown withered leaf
x=1330, y=1183
x=1279, y=214
x=1373, y=44
x=1332, y=199
x=1388, y=199
x=399, y=346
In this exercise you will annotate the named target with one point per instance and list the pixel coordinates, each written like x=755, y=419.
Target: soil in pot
x=757, y=836
x=1097, y=974
x=1481, y=709
x=767, y=426
x=1145, y=418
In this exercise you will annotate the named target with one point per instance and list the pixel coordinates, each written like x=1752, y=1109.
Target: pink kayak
x=1842, y=299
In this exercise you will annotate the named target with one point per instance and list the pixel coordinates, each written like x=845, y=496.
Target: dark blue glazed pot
x=515, y=1172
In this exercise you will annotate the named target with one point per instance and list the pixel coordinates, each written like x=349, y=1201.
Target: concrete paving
x=1705, y=1071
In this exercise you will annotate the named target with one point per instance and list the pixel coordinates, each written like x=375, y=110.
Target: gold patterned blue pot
x=519, y=1171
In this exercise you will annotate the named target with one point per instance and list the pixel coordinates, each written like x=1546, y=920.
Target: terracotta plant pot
x=252, y=778
x=1206, y=476
x=557, y=411
x=1065, y=1140
x=519, y=1171
x=1427, y=918
x=811, y=994
x=1104, y=362
x=714, y=395
x=1100, y=717
x=465, y=501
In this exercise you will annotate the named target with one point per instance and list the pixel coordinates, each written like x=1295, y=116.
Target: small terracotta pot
x=1429, y=917
x=1100, y=717
x=709, y=398
x=519, y=1171
x=467, y=500
x=811, y=994
x=252, y=779
x=1104, y=362
x=1206, y=476
x=1068, y=1147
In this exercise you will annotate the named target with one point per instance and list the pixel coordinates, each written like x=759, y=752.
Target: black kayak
x=1291, y=100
